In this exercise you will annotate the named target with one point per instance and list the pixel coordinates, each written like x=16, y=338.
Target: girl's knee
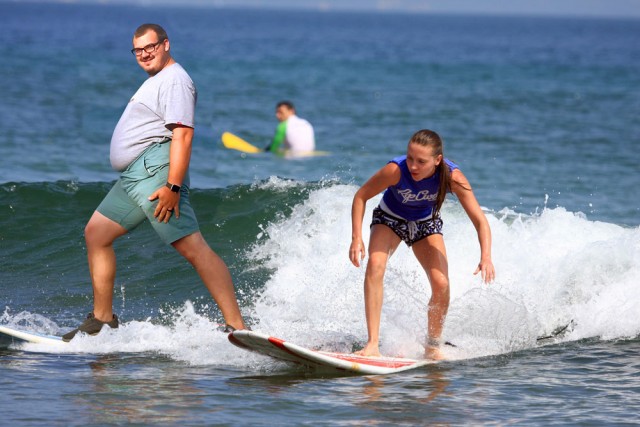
x=440, y=285
x=376, y=268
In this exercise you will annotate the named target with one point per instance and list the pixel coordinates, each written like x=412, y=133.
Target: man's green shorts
x=127, y=203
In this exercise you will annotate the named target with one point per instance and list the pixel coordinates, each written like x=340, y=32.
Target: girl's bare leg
x=383, y=242
x=432, y=255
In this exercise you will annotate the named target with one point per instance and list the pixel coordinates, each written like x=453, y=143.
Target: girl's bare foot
x=433, y=353
x=369, y=350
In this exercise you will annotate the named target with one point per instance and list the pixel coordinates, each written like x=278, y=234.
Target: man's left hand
x=168, y=203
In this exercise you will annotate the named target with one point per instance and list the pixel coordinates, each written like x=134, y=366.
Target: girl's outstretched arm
x=385, y=177
x=462, y=189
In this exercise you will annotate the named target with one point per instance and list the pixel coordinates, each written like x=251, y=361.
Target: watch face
x=173, y=187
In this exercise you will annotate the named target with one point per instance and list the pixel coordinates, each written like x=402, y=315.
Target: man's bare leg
x=215, y=275
x=100, y=233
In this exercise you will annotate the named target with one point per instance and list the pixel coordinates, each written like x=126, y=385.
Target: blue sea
x=542, y=115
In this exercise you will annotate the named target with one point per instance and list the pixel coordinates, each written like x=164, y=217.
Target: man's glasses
x=150, y=48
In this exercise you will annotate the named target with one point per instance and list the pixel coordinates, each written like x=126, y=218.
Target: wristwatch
x=173, y=187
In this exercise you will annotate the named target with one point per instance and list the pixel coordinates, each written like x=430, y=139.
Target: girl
x=416, y=186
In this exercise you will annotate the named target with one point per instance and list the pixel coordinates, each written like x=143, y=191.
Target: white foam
x=190, y=338
x=277, y=184
x=553, y=267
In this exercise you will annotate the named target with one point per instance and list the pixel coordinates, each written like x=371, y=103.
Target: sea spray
x=553, y=268
x=295, y=281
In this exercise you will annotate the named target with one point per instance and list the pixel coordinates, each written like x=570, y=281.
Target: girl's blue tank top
x=410, y=199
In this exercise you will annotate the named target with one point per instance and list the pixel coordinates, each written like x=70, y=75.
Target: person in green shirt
x=293, y=134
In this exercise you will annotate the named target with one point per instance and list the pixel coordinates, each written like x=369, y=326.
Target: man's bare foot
x=369, y=350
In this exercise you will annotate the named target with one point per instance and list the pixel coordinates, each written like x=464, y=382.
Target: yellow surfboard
x=234, y=142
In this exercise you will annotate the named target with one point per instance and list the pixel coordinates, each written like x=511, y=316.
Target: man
x=151, y=147
x=293, y=134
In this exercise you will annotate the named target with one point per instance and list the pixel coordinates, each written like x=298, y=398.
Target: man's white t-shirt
x=167, y=98
x=299, y=135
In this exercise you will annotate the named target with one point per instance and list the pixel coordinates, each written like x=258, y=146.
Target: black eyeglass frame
x=150, y=48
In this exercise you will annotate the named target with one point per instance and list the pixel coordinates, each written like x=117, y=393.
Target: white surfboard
x=14, y=336
x=321, y=360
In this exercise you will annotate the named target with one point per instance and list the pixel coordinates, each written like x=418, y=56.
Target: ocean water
x=542, y=114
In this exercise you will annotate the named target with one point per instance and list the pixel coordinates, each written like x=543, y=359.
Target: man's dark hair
x=144, y=28
x=287, y=104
